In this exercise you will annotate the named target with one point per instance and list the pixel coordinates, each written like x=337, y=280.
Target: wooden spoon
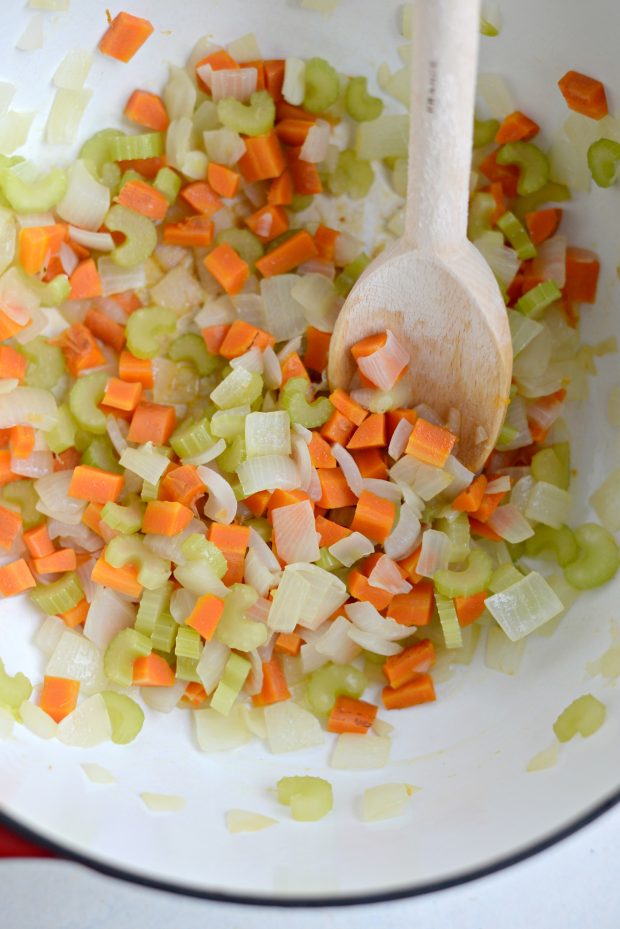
x=432, y=288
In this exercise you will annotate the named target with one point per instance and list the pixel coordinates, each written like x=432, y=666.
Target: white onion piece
x=294, y=85
x=36, y=720
x=545, y=413
x=49, y=633
x=17, y=300
x=316, y=143
x=301, y=457
x=264, y=551
x=272, y=371
x=374, y=643
x=35, y=465
x=163, y=699
x=293, y=345
x=31, y=38
x=434, y=554
x=97, y=241
x=386, y=576
x=88, y=725
x=77, y=658
x=26, y=220
x=384, y=366
x=336, y=644
x=256, y=573
x=86, y=201
x=117, y=280
x=367, y=618
x=108, y=614
x=351, y=549
x=68, y=259
x=117, y=433
x=53, y=491
x=66, y=114
x=246, y=821
x=291, y=728
x=216, y=313
x=498, y=486
x=221, y=505
x=320, y=266
x=217, y=733
x=510, y=524
x=214, y=451
x=314, y=489
x=550, y=263
x=400, y=437
x=268, y=472
x=311, y=659
x=381, y=488
x=346, y=249
x=294, y=532
x=211, y=665
x=73, y=69
x=352, y=473
x=259, y=611
x=284, y=316
x=252, y=360
x=79, y=535
x=360, y=752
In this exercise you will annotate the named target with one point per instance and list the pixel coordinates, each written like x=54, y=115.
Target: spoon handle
x=443, y=81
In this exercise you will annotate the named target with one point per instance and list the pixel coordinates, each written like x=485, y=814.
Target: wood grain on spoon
x=432, y=288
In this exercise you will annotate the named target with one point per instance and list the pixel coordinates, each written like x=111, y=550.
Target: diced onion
x=97, y=774
x=336, y=644
x=606, y=501
x=316, y=143
x=508, y=522
x=503, y=261
x=88, y=725
x=66, y=114
x=31, y=38
x=352, y=548
x=211, y=667
x=73, y=69
x=294, y=86
x=400, y=437
x=221, y=505
x=48, y=634
x=77, y=658
x=239, y=83
x=367, y=618
x=118, y=280
x=163, y=699
x=501, y=654
x=268, y=472
x=496, y=95
x=245, y=821
x=245, y=49
x=500, y=485
x=404, y=538
x=86, y=201
x=179, y=94
x=163, y=803
x=35, y=465
x=386, y=576
x=385, y=801
x=53, y=491
x=382, y=488
x=319, y=299
x=384, y=366
x=223, y=146
x=360, y=752
x=291, y=728
x=524, y=606
x=37, y=720
x=14, y=129
x=284, y=315
x=145, y=462
x=294, y=532
x=107, y=615
x=548, y=504
x=434, y=554
x=97, y=241
x=349, y=468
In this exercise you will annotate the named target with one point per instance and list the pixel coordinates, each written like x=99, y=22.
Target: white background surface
x=573, y=885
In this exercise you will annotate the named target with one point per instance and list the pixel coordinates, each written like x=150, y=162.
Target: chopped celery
x=188, y=643
x=449, y=621
x=119, y=656
x=123, y=519
x=255, y=118
x=152, y=604
x=505, y=575
x=191, y=347
x=52, y=294
x=46, y=364
x=233, y=678
x=305, y=413
x=97, y=150
x=62, y=435
x=110, y=176
x=585, y=716
x=458, y=533
x=533, y=164
x=331, y=681
x=226, y=424
x=516, y=235
x=33, y=196
x=598, y=558
x=299, y=203
x=129, y=176
x=239, y=387
x=548, y=466
x=13, y=689
x=234, y=628
x=361, y=106
x=60, y=596
x=153, y=571
x=149, y=491
x=125, y=715
x=84, y=398
x=147, y=330
x=322, y=85
x=136, y=147
x=535, y=301
x=192, y=438
x=247, y=245
x=350, y=273
x=101, y=454
x=197, y=548
x=140, y=236
x=481, y=208
x=168, y=183
x=230, y=460
x=164, y=633
x=310, y=798
x=549, y=193
x=261, y=526
x=472, y=579
x=603, y=161
x=353, y=176
x=23, y=496
x=559, y=543
x=186, y=670
x=327, y=561
x=484, y=131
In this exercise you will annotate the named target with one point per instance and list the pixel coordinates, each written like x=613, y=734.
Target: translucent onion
x=54, y=499
x=384, y=366
x=352, y=473
x=66, y=114
x=86, y=726
x=382, y=488
x=319, y=299
x=256, y=573
x=550, y=263
x=548, y=504
x=606, y=501
x=31, y=38
x=37, y=720
x=360, y=752
x=86, y=201
x=336, y=644
x=524, y=606
x=301, y=457
x=503, y=261
x=366, y=618
x=295, y=535
x=221, y=505
x=400, y=437
x=426, y=480
x=268, y=472
x=316, y=143
x=17, y=300
x=351, y=549
x=14, y=129
x=405, y=536
x=116, y=279
x=386, y=576
x=245, y=821
x=501, y=653
x=224, y=146
x=311, y=660
x=97, y=241
x=179, y=93
x=35, y=465
x=73, y=69
x=211, y=665
x=238, y=84
x=68, y=259
x=294, y=86
x=461, y=477
x=434, y=554
x=284, y=315
x=508, y=522
x=145, y=462
x=291, y=728
x=76, y=658
x=163, y=699
x=385, y=801
x=499, y=486
x=107, y=615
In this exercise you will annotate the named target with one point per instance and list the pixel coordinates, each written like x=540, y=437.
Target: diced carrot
x=306, y=178
x=238, y=339
x=335, y=492
x=124, y=580
x=470, y=499
x=76, y=615
x=292, y=131
x=288, y=643
x=281, y=190
x=257, y=503
x=105, y=329
x=481, y=529
x=152, y=422
x=330, y=532
x=10, y=527
x=263, y=340
x=317, y=349
x=202, y=198
x=414, y=608
x=469, y=609
x=214, y=336
x=223, y=180
x=497, y=192
x=122, y=395
x=360, y=589
x=369, y=345
x=371, y=433
x=80, y=349
x=374, y=517
x=338, y=428
x=6, y=475
x=430, y=443
x=12, y=363
x=144, y=199
x=205, y=615
x=320, y=452
x=125, y=35
x=488, y=505
x=341, y=400
x=193, y=232
x=286, y=110
x=516, y=126
x=194, y=695
x=400, y=669
x=274, y=76
x=58, y=562
x=582, y=270
x=152, y=671
x=227, y=267
x=350, y=715
x=88, y=483
x=263, y=159
x=293, y=366
x=135, y=370
x=542, y=224
x=182, y=485
x=147, y=167
x=281, y=498
x=148, y=110
x=409, y=565
x=232, y=541
x=274, y=688
x=584, y=94
x=58, y=696
x=419, y=689
x=21, y=441
x=38, y=542
x=325, y=241
x=15, y=577
x=507, y=175
x=163, y=517
x=37, y=244
x=299, y=248
x=371, y=462
x=217, y=61
x=268, y=223
x=91, y=517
